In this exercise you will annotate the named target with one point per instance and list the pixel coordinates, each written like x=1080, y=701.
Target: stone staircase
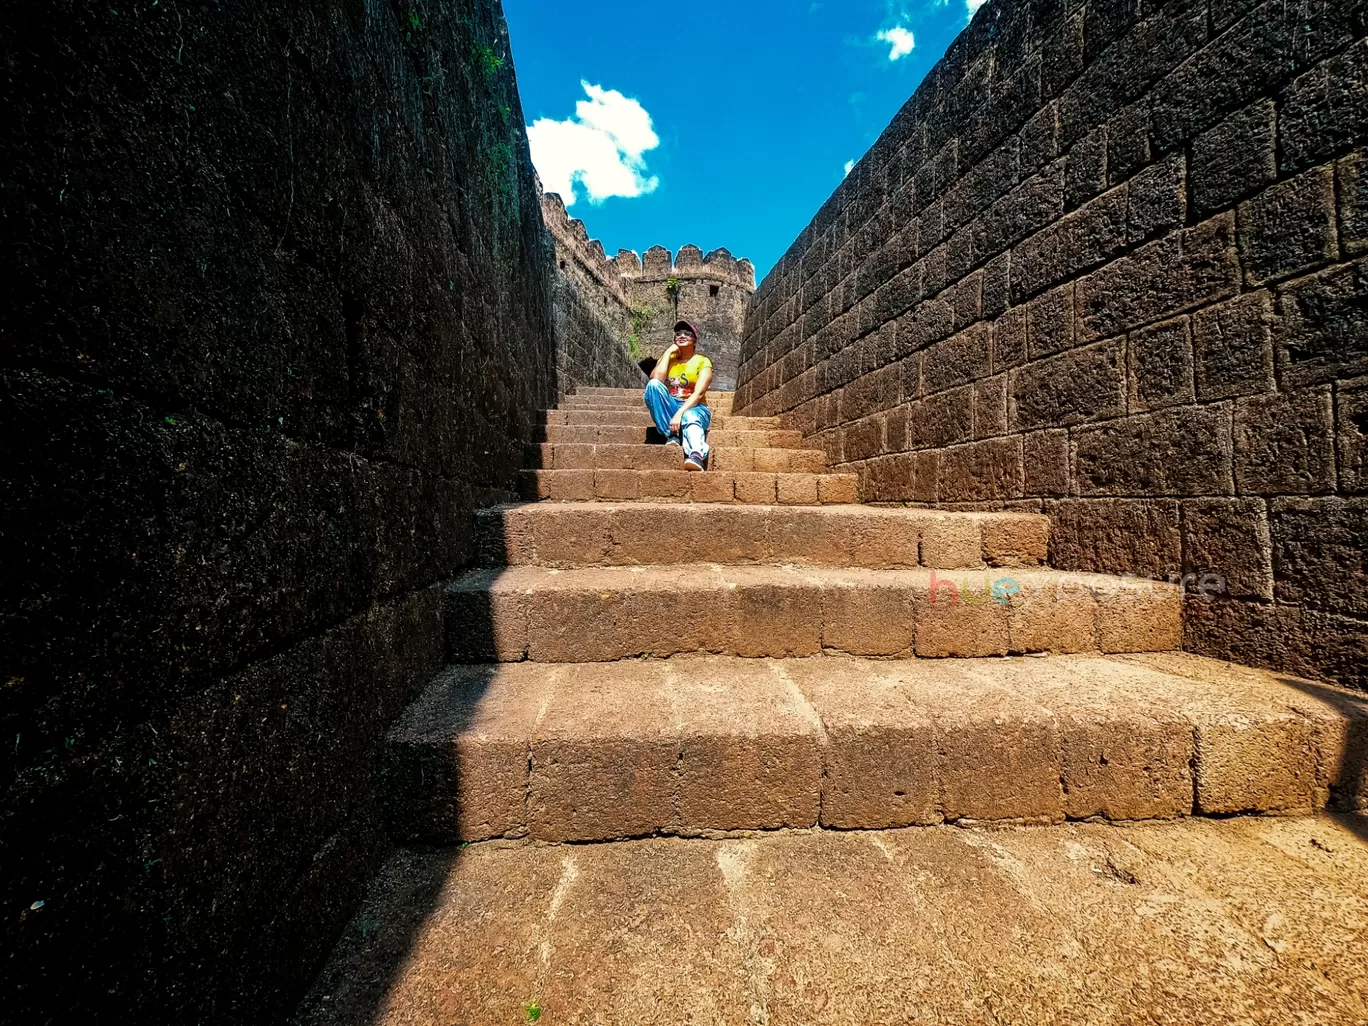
x=652, y=653
x=751, y=649
x=595, y=446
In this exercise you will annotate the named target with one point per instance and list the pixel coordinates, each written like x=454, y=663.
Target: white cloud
x=601, y=148
x=974, y=5
x=849, y=166
x=900, y=40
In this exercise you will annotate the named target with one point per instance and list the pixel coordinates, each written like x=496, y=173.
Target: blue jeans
x=694, y=424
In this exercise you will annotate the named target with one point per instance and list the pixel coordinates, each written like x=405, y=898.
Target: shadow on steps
x=1351, y=765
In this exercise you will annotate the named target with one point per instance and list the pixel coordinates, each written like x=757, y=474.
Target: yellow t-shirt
x=683, y=376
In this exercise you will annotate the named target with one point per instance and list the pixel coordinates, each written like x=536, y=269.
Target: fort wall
x=1110, y=262
x=641, y=297
x=283, y=311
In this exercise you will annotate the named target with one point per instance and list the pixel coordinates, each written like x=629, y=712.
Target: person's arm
x=700, y=387
x=662, y=367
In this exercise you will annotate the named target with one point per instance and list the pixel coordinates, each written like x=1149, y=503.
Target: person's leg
x=661, y=404
x=695, y=425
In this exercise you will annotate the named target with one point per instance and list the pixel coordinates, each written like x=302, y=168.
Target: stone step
x=690, y=745
x=577, y=456
x=599, y=614
x=873, y=537
x=625, y=417
x=633, y=400
x=592, y=434
x=592, y=392
x=1194, y=921
x=725, y=486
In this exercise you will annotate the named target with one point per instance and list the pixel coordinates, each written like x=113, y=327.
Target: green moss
x=487, y=60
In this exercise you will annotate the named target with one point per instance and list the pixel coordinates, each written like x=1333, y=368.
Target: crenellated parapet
x=639, y=297
x=657, y=263
x=579, y=257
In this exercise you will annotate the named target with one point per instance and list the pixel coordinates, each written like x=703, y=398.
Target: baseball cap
x=685, y=324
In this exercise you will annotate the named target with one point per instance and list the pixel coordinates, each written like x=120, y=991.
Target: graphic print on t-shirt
x=683, y=376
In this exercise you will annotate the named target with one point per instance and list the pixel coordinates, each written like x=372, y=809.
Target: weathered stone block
x=1289, y=227
x=1244, y=764
x=1351, y=420
x=1319, y=548
x=1175, y=273
x=1234, y=159
x=1182, y=451
x=602, y=769
x=1284, y=443
x=941, y=420
x=484, y=625
x=995, y=764
x=1035, y=203
x=837, y=488
x=1086, y=237
x=1157, y=200
x=990, y=407
x=1050, y=322
x=1085, y=169
x=1118, y=536
x=863, y=439
x=1015, y=540
x=996, y=291
x=1040, y=139
x=1269, y=43
x=1128, y=148
x=774, y=617
x=930, y=322
x=1321, y=329
x=980, y=471
x=862, y=616
x=981, y=186
x=957, y=360
x=1326, y=109
x=1009, y=339
x=967, y=299
x=1139, y=617
x=1293, y=639
x=1352, y=174
x=1233, y=347
x=880, y=753
x=748, y=753
x=1160, y=366
x=1045, y=460
x=1073, y=388
x=1230, y=537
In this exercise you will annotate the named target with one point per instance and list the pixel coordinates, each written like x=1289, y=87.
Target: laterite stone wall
x=279, y=316
x=1110, y=262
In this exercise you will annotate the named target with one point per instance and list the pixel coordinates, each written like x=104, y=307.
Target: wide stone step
x=685, y=746
x=593, y=434
x=633, y=393
x=626, y=417
x=599, y=614
x=725, y=486
x=627, y=534
x=1249, y=920
x=632, y=401
x=578, y=456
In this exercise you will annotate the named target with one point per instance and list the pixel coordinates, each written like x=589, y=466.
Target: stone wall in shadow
x=280, y=316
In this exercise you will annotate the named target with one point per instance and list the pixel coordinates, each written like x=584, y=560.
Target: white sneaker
x=692, y=464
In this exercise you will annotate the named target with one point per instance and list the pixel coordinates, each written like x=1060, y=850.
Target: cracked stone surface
x=1258, y=920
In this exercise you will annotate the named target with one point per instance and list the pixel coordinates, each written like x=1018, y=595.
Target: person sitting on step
x=675, y=396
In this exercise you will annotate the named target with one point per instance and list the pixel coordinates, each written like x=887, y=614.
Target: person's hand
x=677, y=422
x=670, y=351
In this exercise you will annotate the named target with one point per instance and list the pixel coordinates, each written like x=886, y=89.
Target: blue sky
x=716, y=122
